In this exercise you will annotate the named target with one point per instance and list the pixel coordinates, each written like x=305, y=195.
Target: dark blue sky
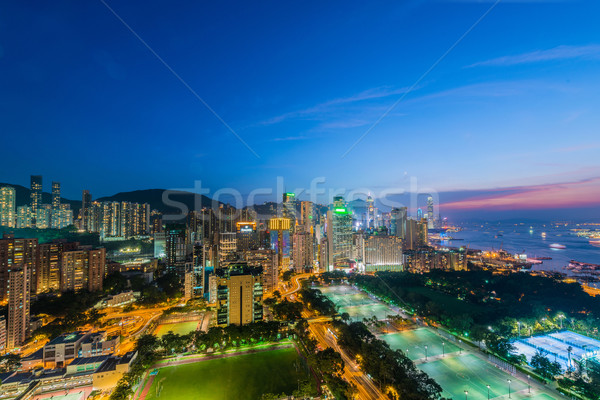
x=83, y=101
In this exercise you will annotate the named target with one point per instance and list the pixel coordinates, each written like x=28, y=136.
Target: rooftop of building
x=36, y=355
x=238, y=268
x=89, y=360
x=111, y=362
x=67, y=338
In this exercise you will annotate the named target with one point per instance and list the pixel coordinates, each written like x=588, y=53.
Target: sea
x=528, y=238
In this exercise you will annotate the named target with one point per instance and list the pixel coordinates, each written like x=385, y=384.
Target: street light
x=466, y=395
x=488, y=388
x=425, y=352
x=443, y=349
x=528, y=385
x=508, y=380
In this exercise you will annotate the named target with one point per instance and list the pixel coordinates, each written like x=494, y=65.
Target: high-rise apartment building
x=25, y=217
x=398, y=222
x=18, y=287
x=302, y=250
x=43, y=217
x=55, y=196
x=16, y=253
x=8, y=209
x=49, y=262
x=83, y=269
x=239, y=295
x=36, y=195
x=267, y=260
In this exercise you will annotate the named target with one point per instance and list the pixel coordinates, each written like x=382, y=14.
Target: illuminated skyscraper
x=8, y=210
x=289, y=208
x=339, y=231
x=36, y=195
x=43, y=216
x=24, y=217
x=55, y=196
x=306, y=215
x=280, y=240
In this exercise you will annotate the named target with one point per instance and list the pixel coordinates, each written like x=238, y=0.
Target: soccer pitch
x=413, y=342
x=458, y=373
x=356, y=303
x=246, y=376
x=180, y=328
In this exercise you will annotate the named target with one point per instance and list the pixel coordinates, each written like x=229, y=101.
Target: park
x=241, y=376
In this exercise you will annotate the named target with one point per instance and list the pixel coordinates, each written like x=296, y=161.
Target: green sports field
x=241, y=377
x=180, y=328
x=457, y=373
x=413, y=342
x=356, y=303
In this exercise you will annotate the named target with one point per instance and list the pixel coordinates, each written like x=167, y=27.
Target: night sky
x=509, y=119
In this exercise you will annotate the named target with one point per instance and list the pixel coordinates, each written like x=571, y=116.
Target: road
x=367, y=390
x=143, y=318
x=296, y=285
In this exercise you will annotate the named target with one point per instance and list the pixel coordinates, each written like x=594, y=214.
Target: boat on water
x=543, y=258
x=558, y=246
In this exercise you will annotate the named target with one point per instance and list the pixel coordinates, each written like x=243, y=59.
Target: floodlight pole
x=508, y=380
x=488, y=388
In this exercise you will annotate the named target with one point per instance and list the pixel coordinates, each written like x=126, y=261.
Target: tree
x=543, y=366
x=10, y=362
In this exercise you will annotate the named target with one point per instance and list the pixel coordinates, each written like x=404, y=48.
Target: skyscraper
x=83, y=269
x=86, y=203
x=16, y=253
x=18, y=306
x=55, y=196
x=239, y=295
x=280, y=240
x=306, y=215
x=8, y=210
x=398, y=222
x=302, y=250
x=36, y=195
x=289, y=208
x=339, y=231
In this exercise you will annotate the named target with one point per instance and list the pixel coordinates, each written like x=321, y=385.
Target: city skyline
x=516, y=96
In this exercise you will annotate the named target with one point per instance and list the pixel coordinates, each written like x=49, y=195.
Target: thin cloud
x=289, y=138
x=590, y=52
x=560, y=195
x=326, y=107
